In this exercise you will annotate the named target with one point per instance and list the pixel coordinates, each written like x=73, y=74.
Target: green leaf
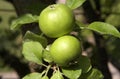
x=32, y=51
x=72, y=72
x=73, y=4
x=93, y=74
x=28, y=18
x=84, y=64
x=104, y=28
x=57, y=75
x=47, y=56
x=34, y=75
x=34, y=37
x=80, y=24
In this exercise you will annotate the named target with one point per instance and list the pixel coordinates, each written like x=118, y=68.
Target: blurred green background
x=11, y=41
x=7, y=13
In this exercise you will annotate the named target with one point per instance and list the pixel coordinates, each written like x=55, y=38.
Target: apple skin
x=65, y=49
x=56, y=20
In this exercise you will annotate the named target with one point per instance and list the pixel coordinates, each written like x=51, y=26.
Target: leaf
x=104, y=28
x=34, y=75
x=28, y=18
x=93, y=74
x=73, y=4
x=34, y=37
x=32, y=51
x=84, y=64
x=47, y=56
x=72, y=72
x=57, y=75
x=80, y=24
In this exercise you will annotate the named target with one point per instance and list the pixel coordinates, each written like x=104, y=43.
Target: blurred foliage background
x=11, y=41
x=7, y=40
